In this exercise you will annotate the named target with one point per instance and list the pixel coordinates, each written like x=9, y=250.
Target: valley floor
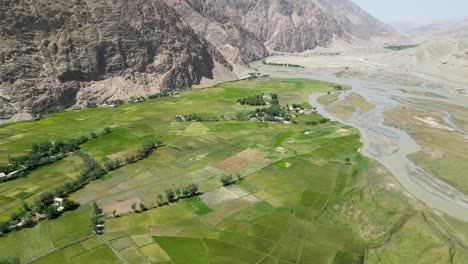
x=321, y=202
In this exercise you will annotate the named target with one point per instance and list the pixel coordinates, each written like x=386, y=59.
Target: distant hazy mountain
x=451, y=29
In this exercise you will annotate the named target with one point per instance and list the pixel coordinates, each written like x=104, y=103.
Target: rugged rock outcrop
x=54, y=55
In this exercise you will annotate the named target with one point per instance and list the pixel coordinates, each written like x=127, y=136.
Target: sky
x=415, y=11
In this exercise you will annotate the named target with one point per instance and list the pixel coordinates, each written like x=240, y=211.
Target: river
x=390, y=145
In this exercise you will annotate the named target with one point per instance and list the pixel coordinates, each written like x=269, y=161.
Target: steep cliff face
x=54, y=55
x=287, y=25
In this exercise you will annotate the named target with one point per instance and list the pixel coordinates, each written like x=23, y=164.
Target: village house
x=291, y=142
x=58, y=201
x=2, y=175
x=282, y=150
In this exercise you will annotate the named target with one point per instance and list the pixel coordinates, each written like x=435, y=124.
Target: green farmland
x=305, y=206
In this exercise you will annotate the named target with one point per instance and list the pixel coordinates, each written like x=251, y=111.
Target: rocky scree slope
x=55, y=55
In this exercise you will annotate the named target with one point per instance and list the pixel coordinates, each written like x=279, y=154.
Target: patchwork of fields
x=306, y=206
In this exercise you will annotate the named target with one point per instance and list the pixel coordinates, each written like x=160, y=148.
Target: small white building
x=58, y=201
x=60, y=209
x=2, y=175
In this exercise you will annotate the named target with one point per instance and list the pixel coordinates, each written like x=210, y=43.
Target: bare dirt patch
x=218, y=196
x=240, y=159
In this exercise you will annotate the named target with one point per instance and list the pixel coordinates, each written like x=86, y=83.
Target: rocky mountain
x=59, y=54
x=282, y=25
x=54, y=55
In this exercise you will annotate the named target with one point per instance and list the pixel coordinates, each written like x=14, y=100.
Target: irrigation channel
x=391, y=145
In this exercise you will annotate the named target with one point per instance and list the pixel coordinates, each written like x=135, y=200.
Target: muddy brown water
x=390, y=145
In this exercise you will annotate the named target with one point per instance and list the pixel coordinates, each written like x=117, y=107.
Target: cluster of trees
x=255, y=100
x=171, y=195
x=43, y=153
x=274, y=113
x=282, y=64
x=28, y=215
x=196, y=118
x=320, y=121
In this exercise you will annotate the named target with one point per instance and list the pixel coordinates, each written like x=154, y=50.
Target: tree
x=177, y=192
x=134, y=206
x=69, y=205
x=51, y=212
x=107, y=130
x=26, y=207
x=238, y=175
x=348, y=161
x=160, y=199
x=130, y=159
x=142, y=207
x=170, y=195
x=193, y=189
x=4, y=227
x=226, y=180
x=14, y=216
x=93, y=135
x=114, y=213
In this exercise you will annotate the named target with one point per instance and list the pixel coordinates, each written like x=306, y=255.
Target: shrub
x=226, y=180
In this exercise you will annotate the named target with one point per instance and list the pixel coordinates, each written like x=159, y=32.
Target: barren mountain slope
x=54, y=55
x=285, y=25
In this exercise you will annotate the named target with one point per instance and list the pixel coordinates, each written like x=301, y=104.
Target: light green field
x=307, y=206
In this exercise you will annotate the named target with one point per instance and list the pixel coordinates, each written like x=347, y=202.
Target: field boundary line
x=59, y=248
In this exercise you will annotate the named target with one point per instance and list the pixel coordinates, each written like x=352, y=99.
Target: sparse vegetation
x=400, y=47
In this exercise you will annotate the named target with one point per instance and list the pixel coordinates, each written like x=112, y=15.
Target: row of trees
x=171, y=195
x=98, y=219
x=43, y=153
x=282, y=64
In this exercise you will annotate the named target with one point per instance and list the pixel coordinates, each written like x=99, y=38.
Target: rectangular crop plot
x=184, y=250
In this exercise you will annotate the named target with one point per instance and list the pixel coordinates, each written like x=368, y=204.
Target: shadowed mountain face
x=56, y=54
